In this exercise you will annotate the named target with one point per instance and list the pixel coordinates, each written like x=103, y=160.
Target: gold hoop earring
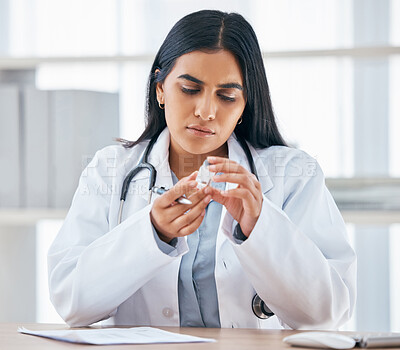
x=161, y=105
x=240, y=120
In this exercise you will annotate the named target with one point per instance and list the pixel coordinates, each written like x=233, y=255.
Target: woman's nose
x=205, y=109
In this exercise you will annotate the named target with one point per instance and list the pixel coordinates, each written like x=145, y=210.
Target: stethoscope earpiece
x=260, y=309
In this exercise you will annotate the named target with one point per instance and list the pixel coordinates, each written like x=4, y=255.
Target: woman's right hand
x=172, y=219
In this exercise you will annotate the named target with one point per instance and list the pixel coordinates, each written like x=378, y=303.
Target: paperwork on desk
x=108, y=336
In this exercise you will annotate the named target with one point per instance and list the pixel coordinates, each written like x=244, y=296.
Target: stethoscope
x=258, y=306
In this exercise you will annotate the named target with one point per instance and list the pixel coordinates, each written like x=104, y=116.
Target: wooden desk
x=229, y=339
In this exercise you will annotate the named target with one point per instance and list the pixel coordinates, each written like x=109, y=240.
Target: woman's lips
x=199, y=130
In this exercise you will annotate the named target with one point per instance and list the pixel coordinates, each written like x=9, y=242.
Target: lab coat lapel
x=224, y=251
x=237, y=154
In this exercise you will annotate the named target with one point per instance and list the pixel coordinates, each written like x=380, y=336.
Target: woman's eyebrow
x=193, y=79
x=231, y=86
x=223, y=86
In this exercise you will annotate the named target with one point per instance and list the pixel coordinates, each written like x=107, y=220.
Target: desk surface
x=227, y=339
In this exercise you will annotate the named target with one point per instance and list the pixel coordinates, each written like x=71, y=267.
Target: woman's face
x=204, y=98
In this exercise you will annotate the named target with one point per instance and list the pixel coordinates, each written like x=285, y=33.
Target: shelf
x=371, y=217
x=19, y=217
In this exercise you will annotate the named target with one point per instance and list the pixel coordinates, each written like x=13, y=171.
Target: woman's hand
x=172, y=219
x=244, y=202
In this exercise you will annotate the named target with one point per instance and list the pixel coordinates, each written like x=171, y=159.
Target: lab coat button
x=167, y=312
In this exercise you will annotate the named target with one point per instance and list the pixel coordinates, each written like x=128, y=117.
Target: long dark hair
x=211, y=30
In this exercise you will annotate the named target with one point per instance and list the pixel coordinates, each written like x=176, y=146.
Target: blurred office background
x=73, y=77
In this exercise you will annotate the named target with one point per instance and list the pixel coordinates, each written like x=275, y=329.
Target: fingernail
x=212, y=167
x=211, y=158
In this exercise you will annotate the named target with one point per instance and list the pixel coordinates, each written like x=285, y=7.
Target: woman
x=278, y=234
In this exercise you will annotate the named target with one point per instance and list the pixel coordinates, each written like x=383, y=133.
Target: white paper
x=108, y=336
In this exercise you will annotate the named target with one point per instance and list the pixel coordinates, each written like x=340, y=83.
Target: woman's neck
x=184, y=164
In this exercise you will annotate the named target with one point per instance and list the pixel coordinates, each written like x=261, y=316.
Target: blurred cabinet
x=46, y=140
x=10, y=165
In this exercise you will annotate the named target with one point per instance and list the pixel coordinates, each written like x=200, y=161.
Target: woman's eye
x=195, y=91
x=227, y=98
x=189, y=91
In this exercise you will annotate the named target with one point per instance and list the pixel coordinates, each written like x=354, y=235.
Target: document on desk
x=108, y=336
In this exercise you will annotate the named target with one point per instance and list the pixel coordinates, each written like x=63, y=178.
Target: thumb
x=191, y=177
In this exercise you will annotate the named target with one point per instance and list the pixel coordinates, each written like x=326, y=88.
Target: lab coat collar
x=159, y=157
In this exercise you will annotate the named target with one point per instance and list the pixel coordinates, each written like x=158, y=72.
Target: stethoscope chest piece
x=260, y=309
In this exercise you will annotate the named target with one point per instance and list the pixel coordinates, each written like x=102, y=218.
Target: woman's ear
x=159, y=89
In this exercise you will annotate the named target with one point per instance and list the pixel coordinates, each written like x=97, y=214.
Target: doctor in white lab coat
x=294, y=252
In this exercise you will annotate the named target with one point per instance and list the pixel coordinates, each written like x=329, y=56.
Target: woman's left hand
x=243, y=202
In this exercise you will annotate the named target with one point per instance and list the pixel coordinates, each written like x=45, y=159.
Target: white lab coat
x=297, y=258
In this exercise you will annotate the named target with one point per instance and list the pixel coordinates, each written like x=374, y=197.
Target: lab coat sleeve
x=298, y=257
x=93, y=269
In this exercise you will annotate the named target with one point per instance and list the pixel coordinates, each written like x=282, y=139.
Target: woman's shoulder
x=289, y=162
x=117, y=157
x=119, y=152
x=284, y=154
